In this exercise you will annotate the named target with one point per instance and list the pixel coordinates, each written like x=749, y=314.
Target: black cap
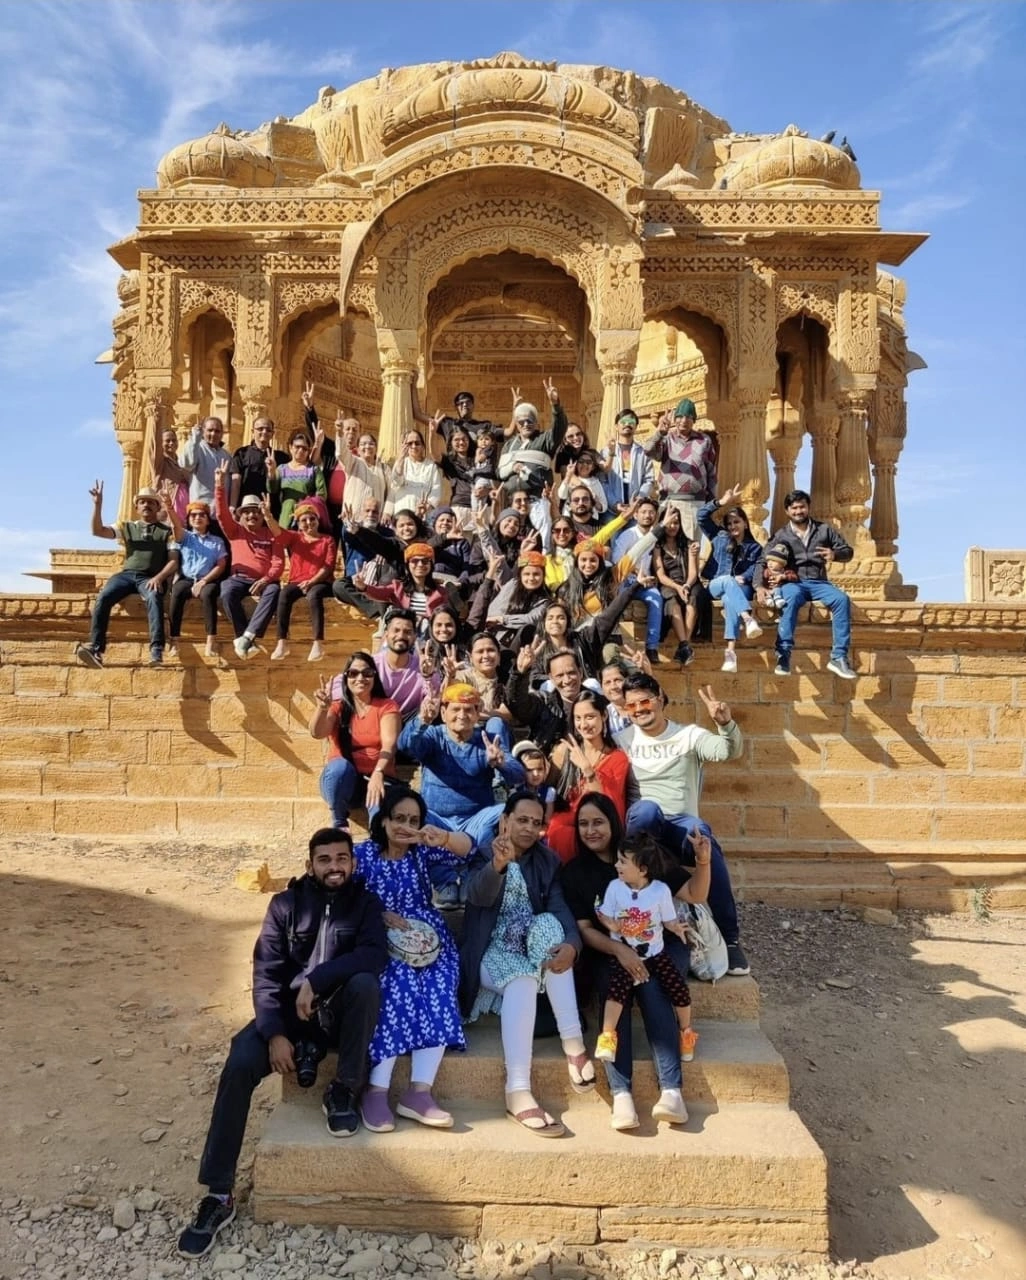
x=462, y=395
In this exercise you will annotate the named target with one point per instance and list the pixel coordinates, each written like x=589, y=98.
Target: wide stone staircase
x=744, y=1173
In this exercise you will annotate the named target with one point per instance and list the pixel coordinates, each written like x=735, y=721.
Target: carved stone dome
x=217, y=159
x=793, y=160
x=510, y=86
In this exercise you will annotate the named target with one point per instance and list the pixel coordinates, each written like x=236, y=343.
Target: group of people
x=491, y=523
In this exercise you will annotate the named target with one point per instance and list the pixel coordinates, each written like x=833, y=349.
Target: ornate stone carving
x=250, y=210
x=197, y=294
x=293, y=296
x=725, y=211
x=817, y=298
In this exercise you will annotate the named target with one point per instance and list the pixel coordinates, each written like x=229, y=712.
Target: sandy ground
x=125, y=968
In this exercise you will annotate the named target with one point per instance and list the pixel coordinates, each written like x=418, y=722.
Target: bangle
x=703, y=862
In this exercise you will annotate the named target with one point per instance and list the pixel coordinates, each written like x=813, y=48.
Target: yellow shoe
x=688, y=1040
x=605, y=1047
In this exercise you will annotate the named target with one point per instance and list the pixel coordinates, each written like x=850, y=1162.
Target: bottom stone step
x=751, y=1177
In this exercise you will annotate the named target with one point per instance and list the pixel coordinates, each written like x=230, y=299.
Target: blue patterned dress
x=419, y=1008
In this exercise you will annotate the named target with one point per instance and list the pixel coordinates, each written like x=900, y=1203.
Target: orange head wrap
x=589, y=544
x=193, y=507
x=418, y=549
x=307, y=509
x=464, y=694
x=533, y=558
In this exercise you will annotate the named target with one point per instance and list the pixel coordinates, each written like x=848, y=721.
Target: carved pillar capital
x=399, y=369
x=853, y=483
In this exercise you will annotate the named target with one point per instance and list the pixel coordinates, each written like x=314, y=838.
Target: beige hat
x=148, y=493
x=250, y=500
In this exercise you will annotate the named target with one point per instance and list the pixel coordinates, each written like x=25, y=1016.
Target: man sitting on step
x=316, y=968
x=811, y=546
x=666, y=765
x=150, y=562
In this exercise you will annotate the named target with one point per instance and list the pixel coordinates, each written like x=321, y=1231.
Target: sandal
x=582, y=1072
x=549, y=1128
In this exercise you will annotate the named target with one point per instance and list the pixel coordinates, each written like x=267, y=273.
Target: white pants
x=424, y=1064
x=519, y=1003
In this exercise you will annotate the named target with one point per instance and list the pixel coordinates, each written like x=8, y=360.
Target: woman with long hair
x=733, y=555
x=675, y=564
x=518, y=605
x=416, y=482
x=587, y=760
x=292, y=481
x=419, y=1009
x=362, y=727
x=598, y=840
x=482, y=670
x=312, y=551
x=441, y=650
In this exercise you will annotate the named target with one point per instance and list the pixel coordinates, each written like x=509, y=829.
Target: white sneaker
x=752, y=629
x=242, y=646
x=670, y=1107
x=625, y=1115
x=729, y=661
x=281, y=650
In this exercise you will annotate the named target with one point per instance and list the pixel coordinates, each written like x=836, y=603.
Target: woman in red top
x=311, y=568
x=362, y=728
x=587, y=760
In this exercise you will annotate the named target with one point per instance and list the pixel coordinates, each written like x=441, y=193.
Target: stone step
x=734, y=1062
x=748, y=1178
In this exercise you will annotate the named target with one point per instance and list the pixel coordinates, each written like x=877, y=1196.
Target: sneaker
x=783, y=667
x=737, y=961
x=172, y=651
x=729, y=661
x=243, y=646
x=670, y=1107
x=418, y=1104
x=198, y=1237
x=605, y=1047
x=625, y=1115
x=90, y=656
x=752, y=629
x=375, y=1112
x=156, y=657
x=684, y=654
x=653, y=656
x=688, y=1040
x=340, y=1108
x=840, y=667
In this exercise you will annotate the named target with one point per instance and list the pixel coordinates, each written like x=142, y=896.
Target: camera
x=307, y=1057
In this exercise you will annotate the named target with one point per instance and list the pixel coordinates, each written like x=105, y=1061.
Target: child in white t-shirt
x=636, y=909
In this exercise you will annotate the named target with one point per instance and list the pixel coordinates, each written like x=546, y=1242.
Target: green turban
x=686, y=409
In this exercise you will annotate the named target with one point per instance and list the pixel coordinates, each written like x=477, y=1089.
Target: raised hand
x=319, y=437
x=272, y=464
x=220, y=474
x=550, y=390
x=494, y=753
x=438, y=418
x=495, y=564
x=265, y=505
x=719, y=711
x=96, y=492
x=638, y=657
x=503, y=852
x=308, y=395
x=429, y=708
x=732, y=495
x=702, y=846
x=517, y=397
x=340, y=417
x=427, y=664
x=449, y=664
x=527, y=653
x=433, y=837
x=322, y=694
x=577, y=756
x=422, y=507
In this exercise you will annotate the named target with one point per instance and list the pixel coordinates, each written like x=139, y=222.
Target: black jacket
x=546, y=715
x=354, y=943
x=802, y=556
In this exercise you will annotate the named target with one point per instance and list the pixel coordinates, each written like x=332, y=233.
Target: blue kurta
x=419, y=1007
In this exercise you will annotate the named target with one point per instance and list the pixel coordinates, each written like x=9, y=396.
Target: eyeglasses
x=359, y=673
x=420, y=560
x=562, y=529
x=642, y=704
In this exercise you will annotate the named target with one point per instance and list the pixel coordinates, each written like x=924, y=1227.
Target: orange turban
x=462, y=693
x=418, y=549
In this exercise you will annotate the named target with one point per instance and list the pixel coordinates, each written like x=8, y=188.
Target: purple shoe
x=418, y=1104
x=376, y=1113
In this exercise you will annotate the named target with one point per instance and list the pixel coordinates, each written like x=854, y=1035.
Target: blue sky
x=93, y=92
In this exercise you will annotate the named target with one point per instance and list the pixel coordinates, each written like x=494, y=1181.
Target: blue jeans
x=117, y=588
x=660, y=1027
x=825, y=593
x=496, y=727
x=342, y=788
x=736, y=601
x=672, y=833
x=653, y=599
x=482, y=827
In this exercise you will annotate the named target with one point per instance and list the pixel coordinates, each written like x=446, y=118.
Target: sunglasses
x=359, y=673
x=642, y=704
x=420, y=560
x=562, y=529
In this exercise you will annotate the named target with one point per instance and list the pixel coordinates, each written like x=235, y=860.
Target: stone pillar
x=886, y=438
x=784, y=452
x=724, y=415
x=131, y=463
x=752, y=468
x=616, y=394
x=853, y=487
x=823, y=428
x=397, y=377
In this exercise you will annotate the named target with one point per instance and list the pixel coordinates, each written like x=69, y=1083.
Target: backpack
x=708, y=950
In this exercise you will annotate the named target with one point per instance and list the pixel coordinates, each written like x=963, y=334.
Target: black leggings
x=181, y=594
x=315, y=599
x=661, y=967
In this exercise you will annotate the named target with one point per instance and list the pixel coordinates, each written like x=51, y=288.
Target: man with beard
x=398, y=664
x=666, y=764
x=811, y=547
x=316, y=965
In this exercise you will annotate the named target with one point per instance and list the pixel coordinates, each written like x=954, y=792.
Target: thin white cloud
x=94, y=428
x=335, y=62
x=926, y=209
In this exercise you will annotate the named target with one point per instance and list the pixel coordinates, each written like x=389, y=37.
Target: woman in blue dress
x=419, y=1008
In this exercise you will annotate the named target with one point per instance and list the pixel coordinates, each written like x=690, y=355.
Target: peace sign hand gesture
x=449, y=664
x=550, y=390
x=429, y=708
x=272, y=464
x=732, y=495
x=220, y=473
x=517, y=397
x=527, y=654
x=719, y=711
x=308, y=395
x=577, y=756
x=503, y=852
x=322, y=694
x=494, y=753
